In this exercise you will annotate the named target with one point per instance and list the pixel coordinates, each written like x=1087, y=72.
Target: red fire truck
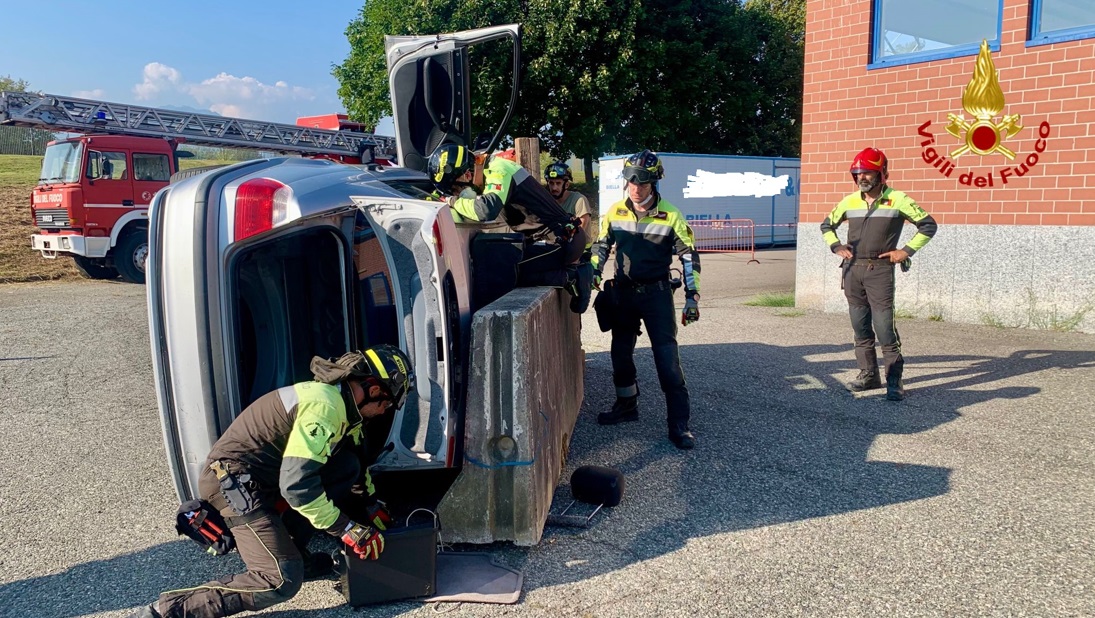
x=92, y=197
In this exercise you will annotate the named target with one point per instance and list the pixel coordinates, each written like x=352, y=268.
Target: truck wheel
x=194, y=171
x=130, y=255
x=94, y=269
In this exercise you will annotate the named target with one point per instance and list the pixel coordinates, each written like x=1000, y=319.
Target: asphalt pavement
x=974, y=497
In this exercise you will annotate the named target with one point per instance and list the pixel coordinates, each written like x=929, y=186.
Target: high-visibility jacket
x=645, y=245
x=509, y=190
x=284, y=438
x=876, y=229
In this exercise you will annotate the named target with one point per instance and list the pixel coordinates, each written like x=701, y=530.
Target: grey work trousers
x=869, y=288
x=652, y=305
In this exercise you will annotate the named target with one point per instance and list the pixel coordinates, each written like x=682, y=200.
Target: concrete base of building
x=524, y=394
x=1011, y=276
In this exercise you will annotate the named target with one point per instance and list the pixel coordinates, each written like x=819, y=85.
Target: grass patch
x=935, y=312
x=18, y=177
x=772, y=299
x=904, y=314
x=794, y=313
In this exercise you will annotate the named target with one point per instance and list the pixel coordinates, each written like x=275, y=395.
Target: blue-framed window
x=905, y=32
x=1053, y=21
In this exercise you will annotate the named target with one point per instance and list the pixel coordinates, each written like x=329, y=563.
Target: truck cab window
x=154, y=167
x=107, y=166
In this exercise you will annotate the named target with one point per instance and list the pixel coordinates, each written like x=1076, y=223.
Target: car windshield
x=62, y=163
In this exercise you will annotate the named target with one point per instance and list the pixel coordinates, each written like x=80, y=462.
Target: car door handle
x=127, y=202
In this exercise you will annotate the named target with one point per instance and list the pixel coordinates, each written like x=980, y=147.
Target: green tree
x=715, y=76
x=10, y=84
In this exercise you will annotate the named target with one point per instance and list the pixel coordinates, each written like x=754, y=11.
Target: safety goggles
x=640, y=176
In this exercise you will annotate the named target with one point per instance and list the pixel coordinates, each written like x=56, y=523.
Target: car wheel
x=131, y=254
x=194, y=171
x=94, y=269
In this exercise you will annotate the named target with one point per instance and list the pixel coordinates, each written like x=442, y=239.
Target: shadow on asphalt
x=768, y=453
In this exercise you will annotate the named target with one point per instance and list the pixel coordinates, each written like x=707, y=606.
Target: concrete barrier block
x=525, y=390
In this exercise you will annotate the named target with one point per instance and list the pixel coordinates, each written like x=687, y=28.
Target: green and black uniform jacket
x=285, y=437
x=509, y=190
x=876, y=229
x=645, y=246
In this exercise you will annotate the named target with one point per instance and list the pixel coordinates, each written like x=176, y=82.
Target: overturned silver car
x=256, y=267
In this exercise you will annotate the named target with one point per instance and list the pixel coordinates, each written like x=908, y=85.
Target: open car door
x=428, y=77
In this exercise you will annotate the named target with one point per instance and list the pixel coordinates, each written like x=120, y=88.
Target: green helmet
x=447, y=163
x=643, y=168
x=558, y=171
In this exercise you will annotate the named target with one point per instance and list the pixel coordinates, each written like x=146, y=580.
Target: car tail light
x=437, y=238
x=261, y=204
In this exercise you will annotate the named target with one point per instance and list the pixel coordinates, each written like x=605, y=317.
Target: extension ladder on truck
x=60, y=113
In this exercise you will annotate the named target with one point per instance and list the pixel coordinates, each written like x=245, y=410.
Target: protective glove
x=691, y=311
x=378, y=514
x=569, y=230
x=597, y=281
x=365, y=541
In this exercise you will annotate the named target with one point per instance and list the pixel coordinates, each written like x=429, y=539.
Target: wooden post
x=528, y=154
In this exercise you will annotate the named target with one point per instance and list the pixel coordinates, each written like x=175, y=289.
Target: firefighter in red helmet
x=875, y=214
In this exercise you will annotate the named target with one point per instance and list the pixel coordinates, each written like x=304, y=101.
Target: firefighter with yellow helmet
x=280, y=472
x=554, y=240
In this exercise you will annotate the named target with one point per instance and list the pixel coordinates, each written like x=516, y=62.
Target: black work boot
x=683, y=440
x=625, y=409
x=580, y=286
x=895, y=390
x=865, y=381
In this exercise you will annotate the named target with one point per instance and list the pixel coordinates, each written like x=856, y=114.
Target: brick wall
x=847, y=108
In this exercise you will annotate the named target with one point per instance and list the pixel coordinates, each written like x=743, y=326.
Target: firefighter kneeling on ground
x=279, y=473
x=509, y=190
x=647, y=232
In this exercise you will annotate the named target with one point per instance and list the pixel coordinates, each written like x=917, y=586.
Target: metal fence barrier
x=23, y=140
x=726, y=236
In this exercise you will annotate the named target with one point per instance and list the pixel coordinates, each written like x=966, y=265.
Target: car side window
x=376, y=300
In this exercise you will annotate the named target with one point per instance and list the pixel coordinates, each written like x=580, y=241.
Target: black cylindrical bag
x=605, y=305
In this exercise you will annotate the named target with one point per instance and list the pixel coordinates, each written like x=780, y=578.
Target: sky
x=267, y=60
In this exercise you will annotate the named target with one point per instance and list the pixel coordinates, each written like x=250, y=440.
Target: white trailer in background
x=716, y=187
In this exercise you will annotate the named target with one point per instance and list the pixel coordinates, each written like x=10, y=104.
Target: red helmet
x=870, y=160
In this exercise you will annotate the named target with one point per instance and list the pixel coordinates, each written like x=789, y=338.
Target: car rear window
x=290, y=304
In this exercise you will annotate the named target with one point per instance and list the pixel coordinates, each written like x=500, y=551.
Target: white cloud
x=227, y=110
x=225, y=94
x=157, y=78
x=89, y=94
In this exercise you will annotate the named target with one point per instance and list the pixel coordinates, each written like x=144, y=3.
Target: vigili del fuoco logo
x=983, y=135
